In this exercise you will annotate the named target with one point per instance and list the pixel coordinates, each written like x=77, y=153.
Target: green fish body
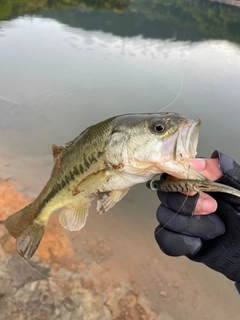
x=102, y=163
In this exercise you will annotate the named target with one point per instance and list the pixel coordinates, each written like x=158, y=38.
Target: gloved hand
x=212, y=239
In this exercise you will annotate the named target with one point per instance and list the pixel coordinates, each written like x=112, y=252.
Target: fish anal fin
x=56, y=151
x=28, y=241
x=73, y=217
x=108, y=199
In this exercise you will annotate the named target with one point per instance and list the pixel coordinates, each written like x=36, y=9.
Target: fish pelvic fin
x=73, y=217
x=108, y=199
x=28, y=241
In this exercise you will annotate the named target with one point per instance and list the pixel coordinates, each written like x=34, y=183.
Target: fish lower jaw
x=143, y=173
x=181, y=170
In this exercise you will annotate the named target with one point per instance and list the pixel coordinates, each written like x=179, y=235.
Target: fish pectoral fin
x=28, y=241
x=109, y=199
x=73, y=217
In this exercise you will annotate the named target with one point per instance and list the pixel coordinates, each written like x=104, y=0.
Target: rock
x=87, y=283
x=54, y=284
x=58, y=293
x=5, y=176
x=2, y=231
x=163, y=294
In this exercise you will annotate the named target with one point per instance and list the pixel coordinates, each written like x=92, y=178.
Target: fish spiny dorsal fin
x=68, y=144
x=57, y=151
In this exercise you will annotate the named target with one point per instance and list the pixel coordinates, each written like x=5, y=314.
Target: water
x=63, y=70
x=69, y=69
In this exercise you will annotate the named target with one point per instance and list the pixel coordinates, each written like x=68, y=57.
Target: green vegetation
x=13, y=8
x=176, y=19
x=202, y=19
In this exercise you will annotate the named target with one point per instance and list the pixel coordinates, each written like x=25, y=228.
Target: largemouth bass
x=102, y=163
x=185, y=185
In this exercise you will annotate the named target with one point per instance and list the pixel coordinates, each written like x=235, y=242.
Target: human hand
x=213, y=239
x=209, y=168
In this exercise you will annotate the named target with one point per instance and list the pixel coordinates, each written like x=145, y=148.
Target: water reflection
x=80, y=77
x=165, y=19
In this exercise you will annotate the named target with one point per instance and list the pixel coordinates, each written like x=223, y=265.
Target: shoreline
x=56, y=263
x=235, y=3
x=114, y=258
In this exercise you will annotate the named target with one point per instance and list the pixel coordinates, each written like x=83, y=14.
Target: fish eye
x=158, y=126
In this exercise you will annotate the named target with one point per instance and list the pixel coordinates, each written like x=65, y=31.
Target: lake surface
x=63, y=69
x=67, y=69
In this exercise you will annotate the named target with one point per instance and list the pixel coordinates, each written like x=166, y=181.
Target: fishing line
x=178, y=95
x=180, y=91
x=182, y=75
x=167, y=223
x=185, y=200
x=41, y=274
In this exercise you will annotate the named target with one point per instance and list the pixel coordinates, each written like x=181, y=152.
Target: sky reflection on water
x=65, y=79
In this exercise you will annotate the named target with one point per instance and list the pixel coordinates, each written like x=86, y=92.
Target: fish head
x=148, y=144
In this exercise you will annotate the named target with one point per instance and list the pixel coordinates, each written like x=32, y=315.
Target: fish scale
x=74, y=158
x=102, y=163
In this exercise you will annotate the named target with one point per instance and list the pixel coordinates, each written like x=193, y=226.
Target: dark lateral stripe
x=92, y=159
x=81, y=168
x=86, y=163
x=76, y=171
x=71, y=176
x=56, y=188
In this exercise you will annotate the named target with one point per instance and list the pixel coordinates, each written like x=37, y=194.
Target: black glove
x=212, y=239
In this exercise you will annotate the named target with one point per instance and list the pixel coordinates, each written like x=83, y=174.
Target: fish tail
x=28, y=232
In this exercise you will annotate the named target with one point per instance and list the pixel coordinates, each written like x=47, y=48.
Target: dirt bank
x=63, y=287
x=112, y=269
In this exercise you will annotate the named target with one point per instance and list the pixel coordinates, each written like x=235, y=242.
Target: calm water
x=68, y=69
x=63, y=70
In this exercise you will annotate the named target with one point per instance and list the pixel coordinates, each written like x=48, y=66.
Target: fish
x=101, y=164
x=185, y=185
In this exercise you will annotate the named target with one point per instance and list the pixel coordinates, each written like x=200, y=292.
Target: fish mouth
x=186, y=143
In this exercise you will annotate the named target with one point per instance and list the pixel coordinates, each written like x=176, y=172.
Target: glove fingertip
x=178, y=202
x=175, y=245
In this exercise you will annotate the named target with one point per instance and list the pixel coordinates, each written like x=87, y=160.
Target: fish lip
x=188, y=139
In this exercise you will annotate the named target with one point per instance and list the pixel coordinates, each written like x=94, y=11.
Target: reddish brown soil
x=123, y=245
x=12, y=201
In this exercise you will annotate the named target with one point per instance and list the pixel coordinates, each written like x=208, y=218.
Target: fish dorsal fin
x=73, y=217
x=57, y=150
x=68, y=144
x=108, y=199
